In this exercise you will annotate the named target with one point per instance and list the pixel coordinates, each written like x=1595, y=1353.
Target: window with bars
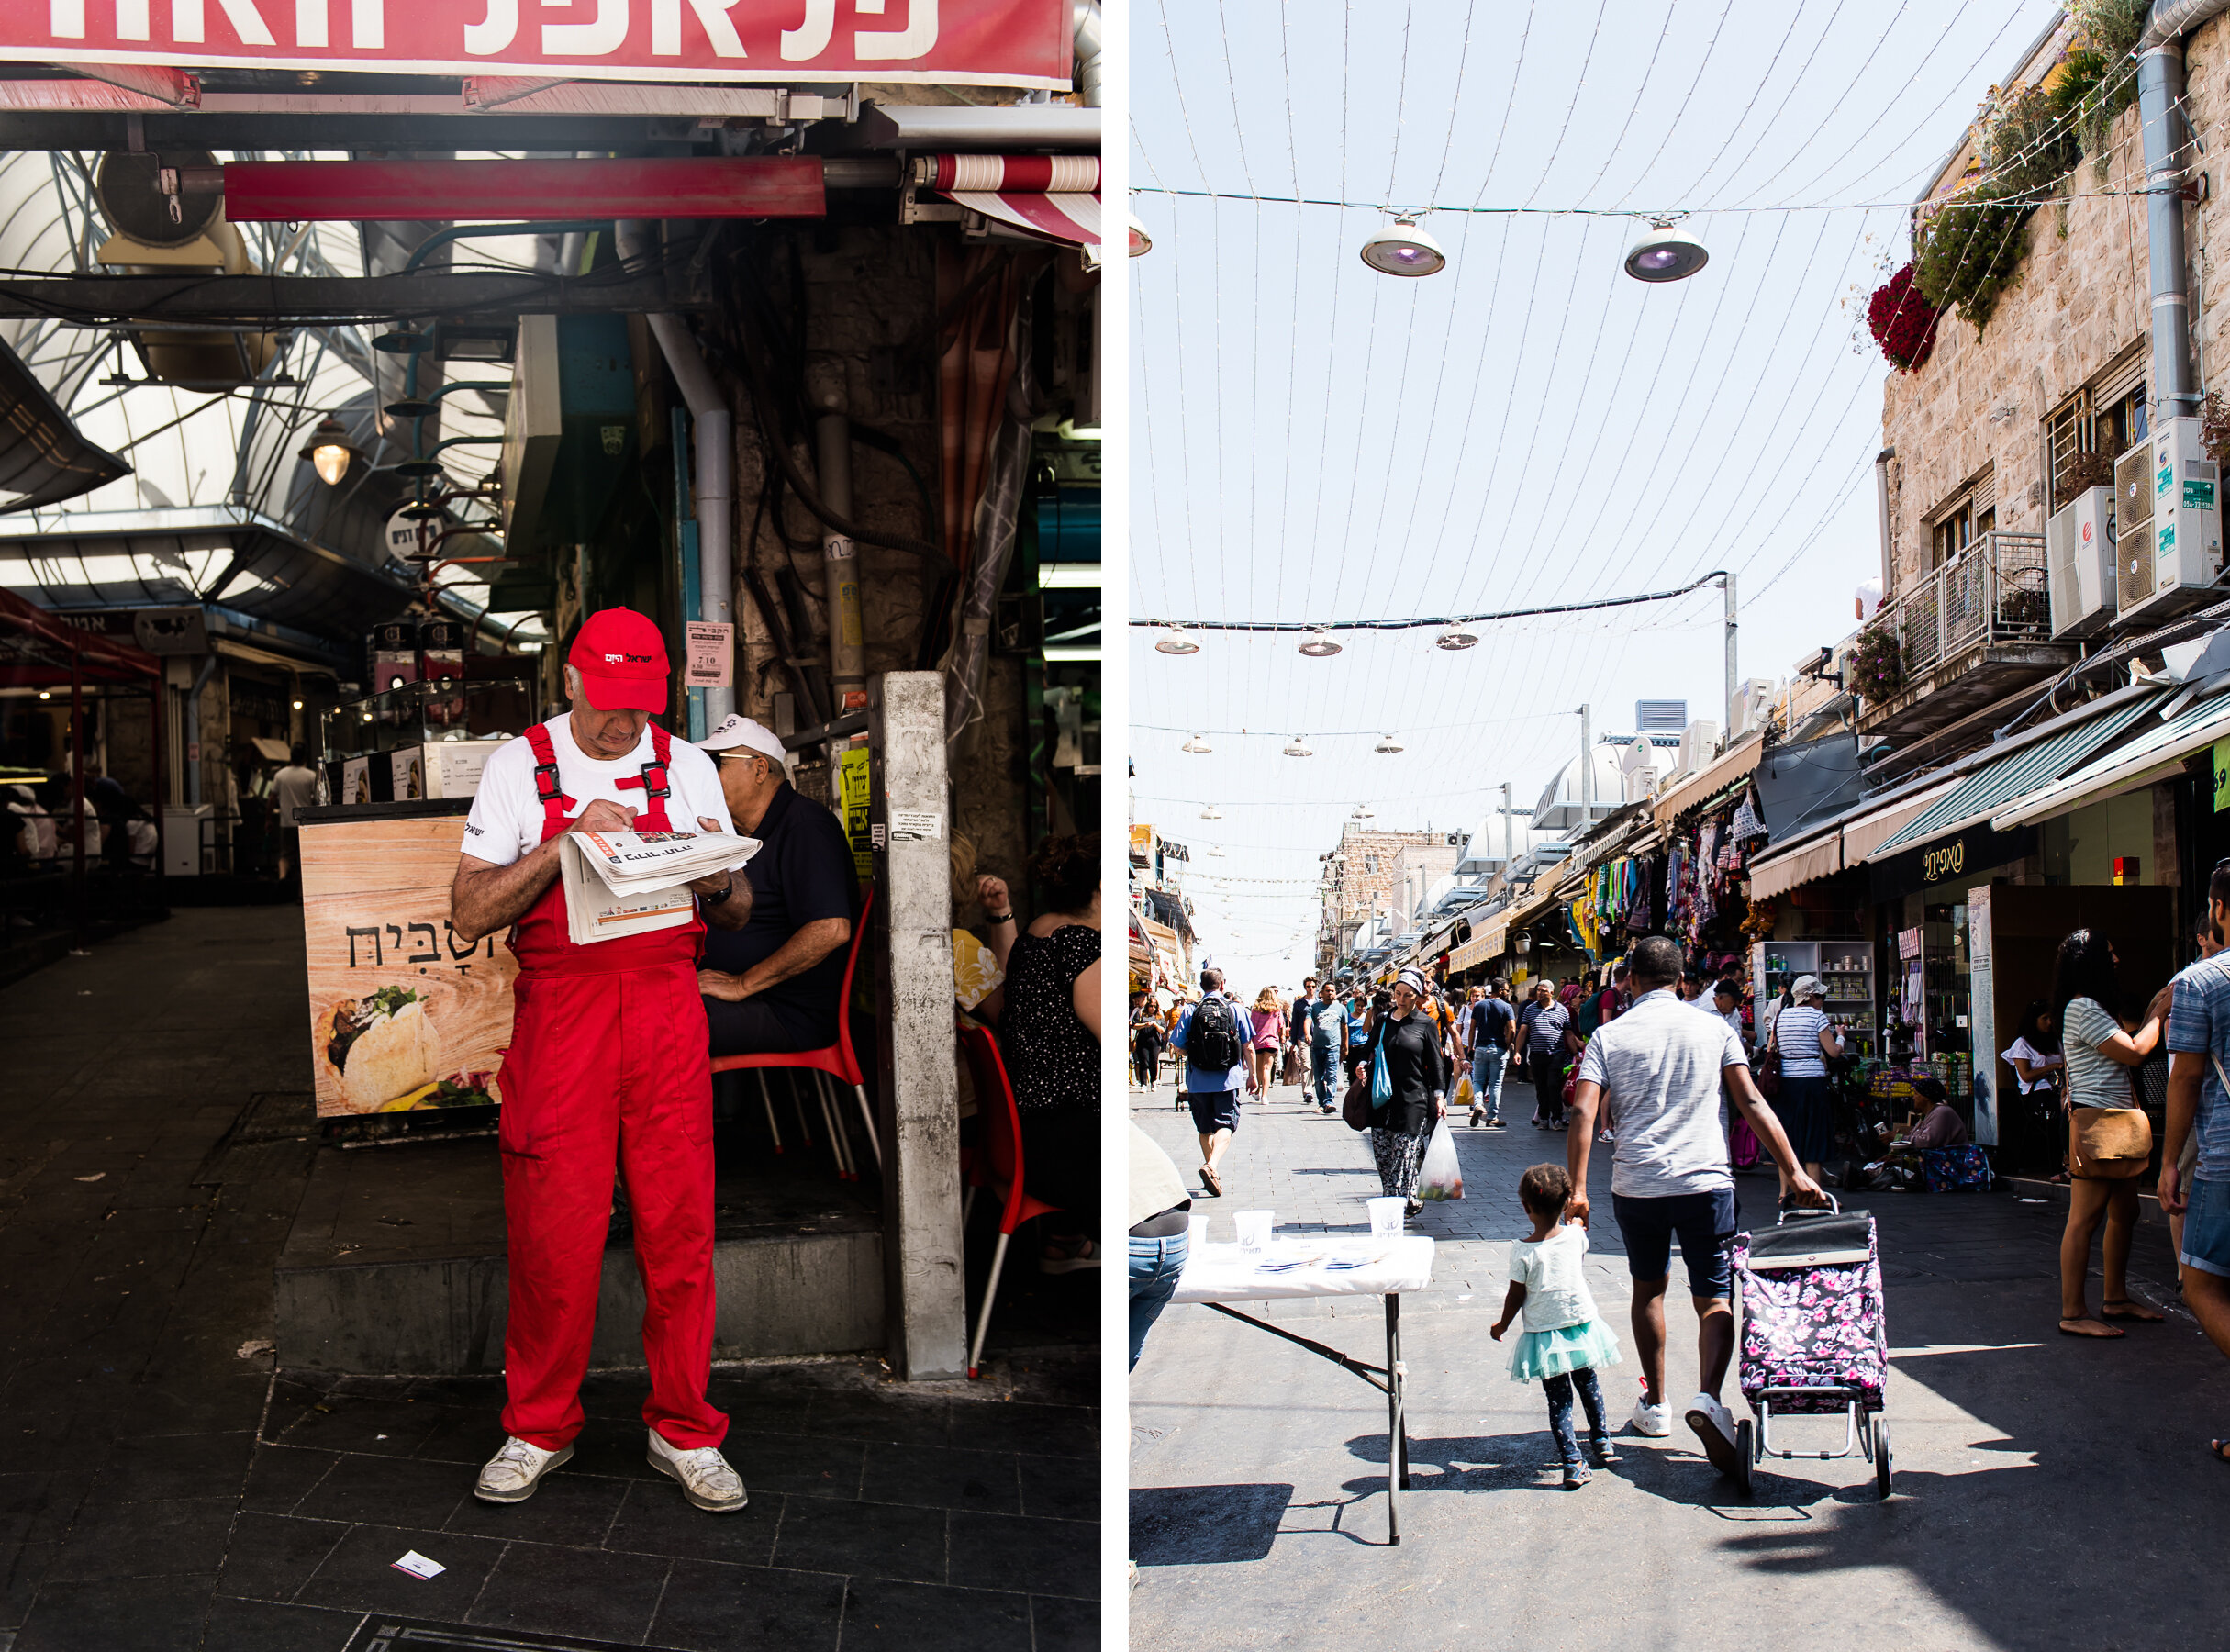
x=2094, y=427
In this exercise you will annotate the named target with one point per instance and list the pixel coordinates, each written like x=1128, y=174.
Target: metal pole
x=1587, y=768
x=77, y=782
x=1730, y=650
x=1397, y=1446
x=839, y=556
x=1508, y=854
x=2160, y=91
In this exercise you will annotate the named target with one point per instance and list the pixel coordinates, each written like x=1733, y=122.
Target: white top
x=1224, y=1273
x=1797, y=1035
x=506, y=818
x=1659, y=1065
x=2036, y=1058
x=1555, y=1292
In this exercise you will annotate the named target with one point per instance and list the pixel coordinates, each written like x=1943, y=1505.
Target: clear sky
x=1317, y=441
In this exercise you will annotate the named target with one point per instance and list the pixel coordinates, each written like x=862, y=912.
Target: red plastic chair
x=997, y=1163
x=838, y=1060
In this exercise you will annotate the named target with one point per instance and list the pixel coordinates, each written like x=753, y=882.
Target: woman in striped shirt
x=1806, y=1038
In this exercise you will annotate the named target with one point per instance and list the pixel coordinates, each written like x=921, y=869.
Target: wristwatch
x=995, y=919
x=721, y=898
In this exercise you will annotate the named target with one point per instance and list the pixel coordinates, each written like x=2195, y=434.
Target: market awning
x=1482, y=947
x=2154, y=754
x=1777, y=873
x=1842, y=845
x=1710, y=780
x=1056, y=197
x=43, y=459
x=2016, y=774
x=1865, y=835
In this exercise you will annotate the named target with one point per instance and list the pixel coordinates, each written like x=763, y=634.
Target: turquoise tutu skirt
x=1540, y=1354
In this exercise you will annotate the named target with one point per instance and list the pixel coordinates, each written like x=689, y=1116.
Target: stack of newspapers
x=629, y=883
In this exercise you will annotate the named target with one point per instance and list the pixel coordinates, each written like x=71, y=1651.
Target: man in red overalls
x=609, y=1062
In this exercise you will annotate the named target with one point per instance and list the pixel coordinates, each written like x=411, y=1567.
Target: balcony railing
x=1994, y=591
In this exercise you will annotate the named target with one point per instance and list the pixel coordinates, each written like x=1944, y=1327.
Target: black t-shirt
x=803, y=872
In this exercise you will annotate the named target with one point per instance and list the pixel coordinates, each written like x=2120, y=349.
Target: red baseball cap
x=622, y=656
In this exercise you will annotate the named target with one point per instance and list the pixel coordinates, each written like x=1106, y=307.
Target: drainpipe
x=193, y=728
x=714, y=429
x=2160, y=90
x=1881, y=511
x=1090, y=46
x=840, y=561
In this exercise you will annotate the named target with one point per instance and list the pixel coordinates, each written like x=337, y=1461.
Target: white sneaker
x=513, y=1473
x=705, y=1479
x=1714, y=1427
x=1653, y=1421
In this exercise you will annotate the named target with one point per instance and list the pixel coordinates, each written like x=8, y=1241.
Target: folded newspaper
x=630, y=883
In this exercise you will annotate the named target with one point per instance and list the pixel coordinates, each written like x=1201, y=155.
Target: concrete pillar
x=927, y=1294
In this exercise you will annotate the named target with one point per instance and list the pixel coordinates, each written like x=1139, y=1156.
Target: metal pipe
x=1587, y=768
x=1882, y=513
x=713, y=429
x=78, y=783
x=1509, y=860
x=1091, y=47
x=2160, y=90
x=1732, y=660
x=192, y=729
x=840, y=559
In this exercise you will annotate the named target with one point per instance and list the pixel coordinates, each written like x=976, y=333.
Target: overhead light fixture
x=1179, y=642
x=1298, y=748
x=1140, y=242
x=1455, y=639
x=1403, y=249
x=403, y=341
x=1665, y=254
x=1388, y=744
x=1319, y=645
x=298, y=705
x=1196, y=743
x=1212, y=813
x=46, y=694
x=1215, y=853
x=329, y=450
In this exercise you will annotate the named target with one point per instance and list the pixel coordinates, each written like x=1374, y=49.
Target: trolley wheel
x=1745, y=1448
x=1881, y=1458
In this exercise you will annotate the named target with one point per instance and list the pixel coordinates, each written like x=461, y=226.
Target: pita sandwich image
x=380, y=1047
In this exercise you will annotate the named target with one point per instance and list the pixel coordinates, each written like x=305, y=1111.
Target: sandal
x=2220, y=1449
x=1213, y=1182
x=2130, y=1310
x=2105, y=1333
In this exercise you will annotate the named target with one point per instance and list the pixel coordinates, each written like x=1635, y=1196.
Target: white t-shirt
x=1557, y=1291
x=2041, y=1064
x=506, y=818
x=1659, y=1065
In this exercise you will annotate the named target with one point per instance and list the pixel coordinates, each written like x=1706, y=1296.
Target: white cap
x=744, y=733
x=1806, y=986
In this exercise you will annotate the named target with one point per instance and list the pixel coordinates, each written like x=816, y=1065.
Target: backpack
x=1212, y=1042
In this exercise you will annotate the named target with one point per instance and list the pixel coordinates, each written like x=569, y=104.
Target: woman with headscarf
x=1416, y=1092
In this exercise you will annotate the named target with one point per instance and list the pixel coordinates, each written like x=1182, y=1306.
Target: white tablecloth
x=1224, y=1273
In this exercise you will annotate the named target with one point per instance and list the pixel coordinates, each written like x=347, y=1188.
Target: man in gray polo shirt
x=1660, y=1066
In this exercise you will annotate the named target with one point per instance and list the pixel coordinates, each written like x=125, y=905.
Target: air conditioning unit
x=2079, y=563
x=1660, y=716
x=2175, y=562
x=1698, y=741
x=1752, y=705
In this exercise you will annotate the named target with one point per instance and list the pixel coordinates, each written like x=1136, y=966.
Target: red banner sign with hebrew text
x=954, y=42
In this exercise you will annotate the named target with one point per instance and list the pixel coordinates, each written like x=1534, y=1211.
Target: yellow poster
x=851, y=785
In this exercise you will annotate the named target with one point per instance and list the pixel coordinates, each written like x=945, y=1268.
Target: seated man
x=773, y=985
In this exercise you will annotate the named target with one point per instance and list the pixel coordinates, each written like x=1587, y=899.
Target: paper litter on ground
x=418, y=1565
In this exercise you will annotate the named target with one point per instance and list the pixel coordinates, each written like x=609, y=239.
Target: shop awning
x=1844, y=845
x=1053, y=195
x=1777, y=873
x=1484, y=946
x=2016, y=774
x=2154, y=754
x=1711, y=779
x=43, y=459
x=1863, y=836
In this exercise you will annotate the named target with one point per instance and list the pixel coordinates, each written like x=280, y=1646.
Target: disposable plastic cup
x=1384, y=1216
x=1253, y=1228
x=1195, y=1227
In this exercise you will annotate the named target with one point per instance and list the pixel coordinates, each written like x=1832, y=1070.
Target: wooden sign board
x=419, y=1018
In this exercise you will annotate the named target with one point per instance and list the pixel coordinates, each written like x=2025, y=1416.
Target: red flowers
x=1902, y=321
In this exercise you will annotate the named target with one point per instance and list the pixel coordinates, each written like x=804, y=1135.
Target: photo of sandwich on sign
x=381, y=1048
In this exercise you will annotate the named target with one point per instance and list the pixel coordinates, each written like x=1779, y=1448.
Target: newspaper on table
x=630, y=883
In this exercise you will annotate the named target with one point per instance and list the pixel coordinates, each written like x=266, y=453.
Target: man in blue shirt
x=1213, y=1033
x=1492, y=1022
x=2199, y=1043
x=1325, y=1025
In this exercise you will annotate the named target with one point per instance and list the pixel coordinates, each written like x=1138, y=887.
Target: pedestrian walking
x=1213, y=1034
x=2199, y=1109
x=1493, y=1026
x=1660, y=1066
x=2102, y=1112
x=1544, y=1023
x=1726, y=1004
x=1408, y=1078
x=1806, y=1039
x=1266, y=1037
x=2207, y=936
x=1564, y=1342
x=1297, y=1036
x=1324, y=1024
x=1146, y=1042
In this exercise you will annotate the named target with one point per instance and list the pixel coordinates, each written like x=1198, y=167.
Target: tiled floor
x=160, y=1490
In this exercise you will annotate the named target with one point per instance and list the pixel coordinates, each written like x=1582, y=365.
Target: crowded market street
x=1257, y=1471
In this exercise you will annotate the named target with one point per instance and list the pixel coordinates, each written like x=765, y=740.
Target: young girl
x=1564, y=1343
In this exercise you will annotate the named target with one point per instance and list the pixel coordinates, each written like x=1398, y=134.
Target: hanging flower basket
x=1878, y=664
x=1902, y=321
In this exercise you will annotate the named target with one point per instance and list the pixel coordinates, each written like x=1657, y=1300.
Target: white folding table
x=1333, y=1266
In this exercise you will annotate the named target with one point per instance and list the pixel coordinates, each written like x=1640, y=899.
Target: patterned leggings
x=1398, y=1156
x=1559, y=1391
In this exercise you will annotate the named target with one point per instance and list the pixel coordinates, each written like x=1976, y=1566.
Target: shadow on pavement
x=1205, y=1525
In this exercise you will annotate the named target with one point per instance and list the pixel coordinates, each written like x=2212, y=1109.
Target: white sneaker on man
x=1715, y=1425
x=513, y=1473
x=705, y=1479
x=1653, y=1421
